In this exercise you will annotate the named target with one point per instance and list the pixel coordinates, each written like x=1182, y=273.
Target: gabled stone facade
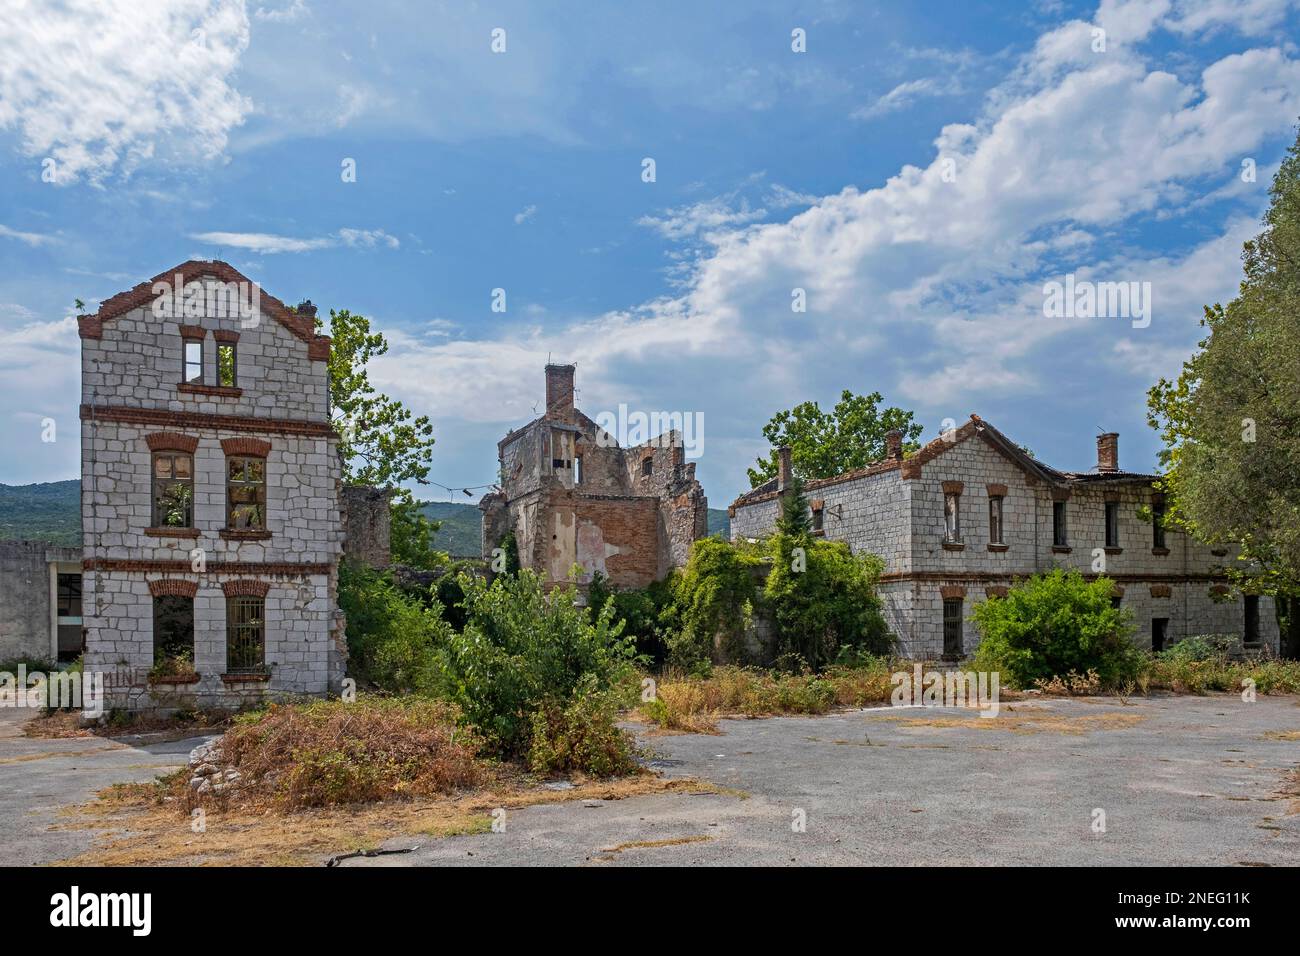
x=210, y=493
x=903, y=510
x=572, y=496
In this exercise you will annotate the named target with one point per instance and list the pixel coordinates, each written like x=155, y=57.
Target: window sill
x=1160, y=552
x=172, y=532
x=177, y=679
x=196, y=388
x=998, y=547
x=250, y=678
x=954, y=546
x=819, y=532
x=1061, y=549
x=245, y=534
x=1114, y=550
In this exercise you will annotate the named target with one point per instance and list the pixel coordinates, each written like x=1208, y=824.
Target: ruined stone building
x=970, y=513
x=571, y=495
x=211, y=523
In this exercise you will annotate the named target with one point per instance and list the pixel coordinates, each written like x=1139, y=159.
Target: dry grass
x=63, y=724
x=651, y=844
x=142, y=831
x=1282, y=735
x=1027, y=722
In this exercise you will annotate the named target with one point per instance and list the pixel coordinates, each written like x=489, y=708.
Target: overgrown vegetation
x=713, y=599
x=1055, y=624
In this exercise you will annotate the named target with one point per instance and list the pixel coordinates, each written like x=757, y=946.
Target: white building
x=970, y=513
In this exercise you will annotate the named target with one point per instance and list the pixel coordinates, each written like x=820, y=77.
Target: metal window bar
x=245, y=635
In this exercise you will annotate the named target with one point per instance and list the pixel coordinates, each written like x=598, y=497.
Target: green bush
x=646, y=614
x=1053, y=624
x=391, y=634
x=581, y=735
x=713, y=596
x=823, y=601
x=522, y=647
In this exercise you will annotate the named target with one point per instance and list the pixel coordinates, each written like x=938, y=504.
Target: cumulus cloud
x=100, y=86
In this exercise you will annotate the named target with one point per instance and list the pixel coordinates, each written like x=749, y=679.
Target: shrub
x=823, y=601
x=331, y=752
x=581, y=736
x=644, y=613
x=522, y=647
x=391, y=634
x=1054, y=624
x=713, y=599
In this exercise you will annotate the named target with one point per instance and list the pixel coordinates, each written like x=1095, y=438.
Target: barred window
x=952, y=608
x=245, y=635
x=173, y=490
x=246, y=493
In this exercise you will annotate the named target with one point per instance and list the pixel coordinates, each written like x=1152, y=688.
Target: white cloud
x=105, y=85
x=905, y=94
x=686, y=222
x=525, y=214
x=28, y=238
x=286, y=14
x=269, y=243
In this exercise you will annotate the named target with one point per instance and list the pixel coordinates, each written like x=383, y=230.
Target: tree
x=825, y=444
x=1230, y=423
x=380, y=443
x=794, y=521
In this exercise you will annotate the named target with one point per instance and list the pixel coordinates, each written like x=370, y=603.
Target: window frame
x=1060, y=525
x=186, y=343
x=952, y=533
x=234, y=365
x=1158, y=526
x=1111, y=521
x=260, y=492
x=187, y=651
x=996, y=519
x=156, y=514
x=955, y=622
x=245, y=625
x=1250, y=619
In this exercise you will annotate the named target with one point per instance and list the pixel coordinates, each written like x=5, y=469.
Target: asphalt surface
x=39, y=776
x=1181, y=780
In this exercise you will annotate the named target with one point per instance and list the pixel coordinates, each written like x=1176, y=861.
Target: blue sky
x=821, y=170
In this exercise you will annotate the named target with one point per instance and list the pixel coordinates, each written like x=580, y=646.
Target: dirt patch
x=1281, y=735
x=1029, y=722
x=140, y=832
x=651, y=844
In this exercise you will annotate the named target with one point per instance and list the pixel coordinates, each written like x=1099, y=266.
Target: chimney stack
x=559, y=391
x=1108, y=452
x=894, y=445
x=784, y=469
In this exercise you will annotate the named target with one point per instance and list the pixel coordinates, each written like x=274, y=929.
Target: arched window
x=245, y=493
x=173, y=489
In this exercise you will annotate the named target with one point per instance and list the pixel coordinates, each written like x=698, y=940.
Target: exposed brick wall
x=175, y=587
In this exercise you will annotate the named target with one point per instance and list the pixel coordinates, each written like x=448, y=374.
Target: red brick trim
x=1112, y=498
x=244, y=445
x=172, y=441
x=193, y=332
x=1061, y=549
x=997, y=491
x=1220, y=589
x=1117, y=591
x=171, y=532
x=1060, y=494
x=303, y=327
x=276, y=569
x=1161, y=591
x=245, y=534
x=950, y=591
x=157, y=416
x=996, y=591
x=245, y=587
x=953, y=487
x=178, y=679
x=245, y=678
x=175, y=587
x=816, y=504
x=1113, y=550
x=226, y=336
x=221, y=391
x=986, y=577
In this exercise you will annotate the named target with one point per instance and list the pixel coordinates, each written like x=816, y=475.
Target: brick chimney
x=894, y=445
x=1108, y=452
x=784, y=469
x=559, y=391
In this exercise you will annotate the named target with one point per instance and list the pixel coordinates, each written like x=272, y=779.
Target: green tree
x=1230, y=422
x=794, y=520
x=380, y=444
x=825, y=444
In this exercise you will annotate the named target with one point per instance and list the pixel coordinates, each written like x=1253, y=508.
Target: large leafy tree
x=380, y=442
x=1230, y=422
x=824, y=444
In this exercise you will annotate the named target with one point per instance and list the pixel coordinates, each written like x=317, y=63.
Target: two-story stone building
x=571, y=495
x=970, y=513
x=210, y=494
